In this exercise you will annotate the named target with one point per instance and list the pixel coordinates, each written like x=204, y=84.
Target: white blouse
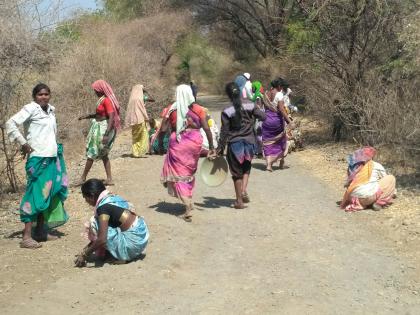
x=40, y=129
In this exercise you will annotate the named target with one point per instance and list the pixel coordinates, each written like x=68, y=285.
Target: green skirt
x=95, y=149
x=46, y=190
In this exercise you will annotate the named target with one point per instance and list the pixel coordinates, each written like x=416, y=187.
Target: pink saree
x=181, y=161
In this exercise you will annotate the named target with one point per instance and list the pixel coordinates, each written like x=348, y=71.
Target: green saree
x=46, y=190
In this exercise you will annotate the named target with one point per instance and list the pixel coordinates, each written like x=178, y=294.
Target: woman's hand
x=212, y=154
x=105, y=140
x=80, y=260
x=292, y=125
x=26, y=149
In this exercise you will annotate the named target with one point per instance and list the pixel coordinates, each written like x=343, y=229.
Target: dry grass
x=327, y=161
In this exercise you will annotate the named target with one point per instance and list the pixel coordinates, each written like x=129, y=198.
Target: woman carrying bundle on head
x=184, y=118
x=103, y=129
x=237, y=132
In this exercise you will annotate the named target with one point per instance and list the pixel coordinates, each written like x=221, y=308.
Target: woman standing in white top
x=47, y=182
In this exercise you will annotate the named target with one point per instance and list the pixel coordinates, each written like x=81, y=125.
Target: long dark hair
x=37, y=88
x=280, y=83
x=93, y=188
x=232, y=90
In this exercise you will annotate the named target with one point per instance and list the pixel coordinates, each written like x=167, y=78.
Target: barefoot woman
x=274, y=136
x=47, y=181
x=238, y=133
x=115, y=226
x=185, y=118
x=104, y=125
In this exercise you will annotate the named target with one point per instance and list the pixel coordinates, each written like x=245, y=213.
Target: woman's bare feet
x=30, y=243
x=109, y=182
x=239, y=205
x=187, y=216
x=245, y=197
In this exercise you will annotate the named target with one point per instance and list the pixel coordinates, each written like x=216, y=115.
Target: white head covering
x=247, y=75
x=184, y=98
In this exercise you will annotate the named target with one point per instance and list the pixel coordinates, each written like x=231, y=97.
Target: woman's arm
x=12, y=129
x=92, y=246
x=206, y=128
x=144, y=113
x=111, y=116
x=161, y=133
x=224, y=133
x=282, y=110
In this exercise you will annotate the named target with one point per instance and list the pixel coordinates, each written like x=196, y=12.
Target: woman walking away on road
x=136, y=117
x=273, y=128
x=185, y=118
x=47, y=181
x=367, y=184
x=115, y=226
x=103, y=130
x=238, y=133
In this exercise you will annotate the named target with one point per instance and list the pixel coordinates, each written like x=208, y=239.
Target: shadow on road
x=18, y=234
x=214, y=203
x=169, y=208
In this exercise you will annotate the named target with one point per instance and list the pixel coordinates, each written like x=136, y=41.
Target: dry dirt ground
x=291, y=252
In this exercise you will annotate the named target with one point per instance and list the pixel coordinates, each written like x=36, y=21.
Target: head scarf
x=102, y=86
x=259, y=90
x=136, y=111
x=358, y=158
x=184, y=98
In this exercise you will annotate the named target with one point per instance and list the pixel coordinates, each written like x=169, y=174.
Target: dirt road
x=291, y=252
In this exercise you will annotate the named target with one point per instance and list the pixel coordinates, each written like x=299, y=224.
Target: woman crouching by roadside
x=368, y=184
x=115, y=226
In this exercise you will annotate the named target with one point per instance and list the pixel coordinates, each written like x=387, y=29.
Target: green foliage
x=68, y=30
x=301, y=37
x=124, y=9
x=200, y=59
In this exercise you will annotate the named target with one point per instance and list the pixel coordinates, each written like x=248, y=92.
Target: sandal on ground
x=269, y=169
x=245, y=198
x=30, y=243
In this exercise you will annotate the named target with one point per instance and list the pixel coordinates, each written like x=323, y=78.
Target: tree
x=124, y=9
x=21, y=55
x=261, y=23
x=355, y=36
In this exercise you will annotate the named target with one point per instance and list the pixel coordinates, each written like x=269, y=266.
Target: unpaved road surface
x=291, y=252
